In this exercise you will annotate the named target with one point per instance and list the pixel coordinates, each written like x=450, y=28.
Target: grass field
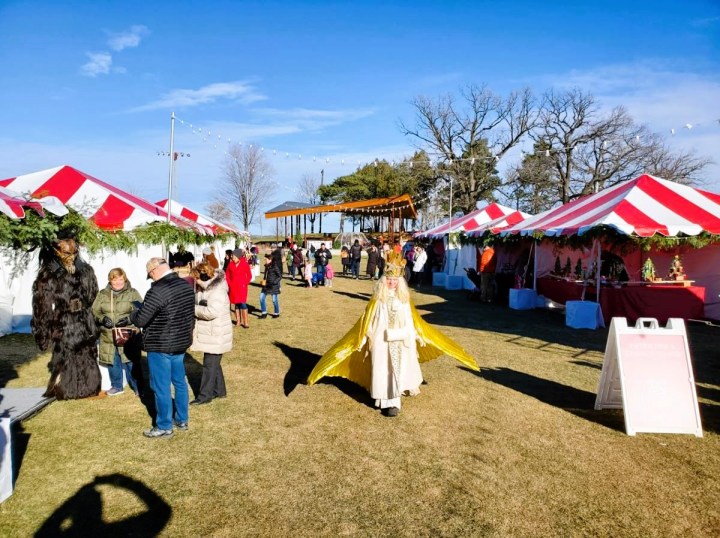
x=514, y=450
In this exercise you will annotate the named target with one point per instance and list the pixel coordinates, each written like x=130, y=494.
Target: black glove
x=203, y=302
x=137, y=305
x=106, y=322
x=123, y=322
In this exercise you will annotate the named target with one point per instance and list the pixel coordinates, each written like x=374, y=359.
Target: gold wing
x=349, y=357
x=436, y=343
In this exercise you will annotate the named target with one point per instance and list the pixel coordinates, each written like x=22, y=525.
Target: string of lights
x=433, y=162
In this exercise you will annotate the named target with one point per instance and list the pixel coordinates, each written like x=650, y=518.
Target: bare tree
x=469, y=136
x=247, y=183
x=219, y=211
x=308, y=187
x=531, y=185
x=591, y=150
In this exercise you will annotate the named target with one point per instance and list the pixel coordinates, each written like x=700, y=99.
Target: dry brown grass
x=516, y=450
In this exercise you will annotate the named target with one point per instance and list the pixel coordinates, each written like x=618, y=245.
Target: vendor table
x=659, y=301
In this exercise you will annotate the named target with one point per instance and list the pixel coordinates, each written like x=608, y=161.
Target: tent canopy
x=177, y=209
x=394, y=206
x=643, y=206
x=473, y=221
x=107, y=206
x=494, y=226
x=13, y=204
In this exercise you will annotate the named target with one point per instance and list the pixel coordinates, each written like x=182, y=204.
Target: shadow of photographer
x=82, y=514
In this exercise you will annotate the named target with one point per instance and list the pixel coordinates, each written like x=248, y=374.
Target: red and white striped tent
x=643, y=206
x=107, y=206
x=471, y=221
x=177, y=209
x=13, y=204
x=495, y=226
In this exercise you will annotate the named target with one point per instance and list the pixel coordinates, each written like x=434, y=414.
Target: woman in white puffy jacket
x=213, y=333
x=419, y=266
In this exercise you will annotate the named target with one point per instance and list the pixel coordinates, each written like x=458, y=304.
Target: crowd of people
x=193, y=306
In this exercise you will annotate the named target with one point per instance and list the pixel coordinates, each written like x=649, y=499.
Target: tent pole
x=535, y=264
x=597, y=271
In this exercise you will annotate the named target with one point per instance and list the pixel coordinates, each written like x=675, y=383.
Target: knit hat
x=238, y=253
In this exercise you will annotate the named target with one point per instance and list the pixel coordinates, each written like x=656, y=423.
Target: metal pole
x=450, y=222
x=322, y=178
x=172, y=166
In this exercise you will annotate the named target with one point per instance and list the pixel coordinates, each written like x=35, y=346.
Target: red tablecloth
x=632, y=302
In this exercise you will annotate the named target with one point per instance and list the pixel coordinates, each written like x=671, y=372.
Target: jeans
x=355, y=268
x=167, y=369
x=276, y=303
x=321, y=274
x=116, y=373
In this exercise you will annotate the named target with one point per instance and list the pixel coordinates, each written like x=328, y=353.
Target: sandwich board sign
x=648, y=374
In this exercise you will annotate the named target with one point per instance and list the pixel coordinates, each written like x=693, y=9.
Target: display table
x=657, y=301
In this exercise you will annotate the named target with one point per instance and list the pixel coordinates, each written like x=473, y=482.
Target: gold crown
x=395, y=266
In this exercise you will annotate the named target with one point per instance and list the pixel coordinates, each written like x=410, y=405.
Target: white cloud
x=706, y=22
x=128, y=39
x=100, y=64
x=239, y=91
x=313, y=119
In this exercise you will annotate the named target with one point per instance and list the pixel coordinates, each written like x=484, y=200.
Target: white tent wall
x=457, y=258
x=16, y=289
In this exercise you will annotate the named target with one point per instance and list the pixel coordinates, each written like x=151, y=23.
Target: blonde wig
x=401, y=292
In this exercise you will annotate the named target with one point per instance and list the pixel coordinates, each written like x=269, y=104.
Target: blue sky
x=93, y=84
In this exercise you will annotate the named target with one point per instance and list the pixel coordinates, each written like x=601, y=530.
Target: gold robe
x=349, y=357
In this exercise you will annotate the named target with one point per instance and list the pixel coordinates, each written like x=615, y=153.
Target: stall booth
x=457, y=254
x=108, y=207
x=633, y=221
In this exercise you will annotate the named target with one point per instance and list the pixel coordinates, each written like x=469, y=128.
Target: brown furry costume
x=63, y=294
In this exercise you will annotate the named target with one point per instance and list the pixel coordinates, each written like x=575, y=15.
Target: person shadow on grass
x=302, y=363
x=82, y=514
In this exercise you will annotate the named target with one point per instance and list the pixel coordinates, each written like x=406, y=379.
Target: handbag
x=120, y=335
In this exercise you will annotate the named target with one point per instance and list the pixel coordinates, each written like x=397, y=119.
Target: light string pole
x=173, y=156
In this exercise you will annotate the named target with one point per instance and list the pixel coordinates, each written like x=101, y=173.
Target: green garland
x=617, y=241
x=35, y=232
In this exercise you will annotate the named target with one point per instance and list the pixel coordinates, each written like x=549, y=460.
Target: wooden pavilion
x=393, y=208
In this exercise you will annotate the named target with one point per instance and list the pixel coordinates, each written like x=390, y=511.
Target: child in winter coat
x=329, y=275
x=308, y=274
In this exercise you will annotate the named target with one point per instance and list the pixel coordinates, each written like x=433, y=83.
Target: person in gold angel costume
x=383, y=351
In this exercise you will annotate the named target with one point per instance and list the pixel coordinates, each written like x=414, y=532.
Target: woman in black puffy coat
x=271, y=283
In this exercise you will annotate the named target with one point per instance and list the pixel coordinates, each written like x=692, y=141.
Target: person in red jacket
x=488, y=261
x=239, y=276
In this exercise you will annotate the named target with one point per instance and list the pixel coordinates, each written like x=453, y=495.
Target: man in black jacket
x=355, y=255
x=322, y=258
x=167, y=317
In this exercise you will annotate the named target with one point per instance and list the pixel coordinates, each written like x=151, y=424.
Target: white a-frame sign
x=647, y=372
